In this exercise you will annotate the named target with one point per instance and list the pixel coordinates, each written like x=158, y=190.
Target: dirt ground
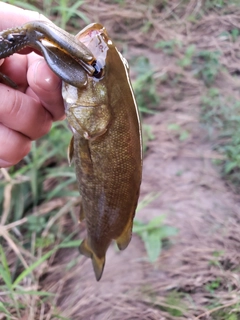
x=206, y=214
x=197, y=274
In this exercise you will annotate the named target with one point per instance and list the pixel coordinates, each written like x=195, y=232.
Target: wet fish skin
x=106, y=148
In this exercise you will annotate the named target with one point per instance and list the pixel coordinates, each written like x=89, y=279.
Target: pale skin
x=26, y=113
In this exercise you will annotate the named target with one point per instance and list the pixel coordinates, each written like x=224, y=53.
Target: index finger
x=12, y=16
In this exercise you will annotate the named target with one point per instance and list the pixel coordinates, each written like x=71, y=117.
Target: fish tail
x=98, y=263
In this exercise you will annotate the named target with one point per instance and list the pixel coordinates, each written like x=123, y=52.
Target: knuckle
x=14, y=146
x=12, y=103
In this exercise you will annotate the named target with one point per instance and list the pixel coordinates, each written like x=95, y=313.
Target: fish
x=106, y=147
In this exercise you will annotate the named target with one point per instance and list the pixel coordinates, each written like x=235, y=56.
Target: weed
x=27, y=185
x=224, y=312
x=153, y=233
x=206, y=65
x=231, y=35
x=222, y=113
x=169, y=47
x=145, y=85
x=147, y=135
x=181, y=133
x=176, y=305
x=21, y=190
x=12, y=287
x=67, y=10
x=215, y=260
x=63, y=10
x=213, y=285
x=186, y=61
x=17, y=292
x=219, y=4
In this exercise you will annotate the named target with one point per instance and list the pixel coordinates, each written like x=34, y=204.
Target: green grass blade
x=4, y=309
x=27, y=271
x=70, y=244
x=33, y=292
x=4, y=269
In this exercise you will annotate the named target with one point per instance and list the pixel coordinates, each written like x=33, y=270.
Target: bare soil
x=197, y=274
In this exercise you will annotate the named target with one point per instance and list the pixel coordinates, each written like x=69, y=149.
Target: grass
x=145, y=86
x=65, y=12
x=221, y=114
x=29, y=201
x=219, y=109
x=154, y=232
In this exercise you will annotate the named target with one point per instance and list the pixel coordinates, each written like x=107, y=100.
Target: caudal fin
x=98, y=263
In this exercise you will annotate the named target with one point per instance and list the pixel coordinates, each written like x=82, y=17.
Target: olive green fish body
x=106, y=148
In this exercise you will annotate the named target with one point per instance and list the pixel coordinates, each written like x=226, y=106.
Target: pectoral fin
x=98, y=263
x=125, y=237
x=70, y=151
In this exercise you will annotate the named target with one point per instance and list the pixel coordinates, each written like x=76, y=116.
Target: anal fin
x=125, y=237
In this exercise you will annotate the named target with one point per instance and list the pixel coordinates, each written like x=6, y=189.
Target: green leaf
x=152, y=234
x=139, y=227
x=230, y=166
x=6, y=278
x=55, y=192
x=167, y=231
x=153, y=245
x=4, y=309
x=183, y=135
x=174, y=127
x=4, y=269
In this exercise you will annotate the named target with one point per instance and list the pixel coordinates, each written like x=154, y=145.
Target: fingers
x=46, y=85
x=14, y=146
x=22, y=113
x=43, y=83
x=15, y=67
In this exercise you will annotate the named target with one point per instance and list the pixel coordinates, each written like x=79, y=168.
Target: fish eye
x=99, y=71
x=10, y=38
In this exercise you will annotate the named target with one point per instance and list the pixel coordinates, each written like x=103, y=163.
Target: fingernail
x=5, y=164
x=44, y=77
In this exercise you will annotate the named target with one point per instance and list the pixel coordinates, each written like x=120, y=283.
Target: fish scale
x=108, y=165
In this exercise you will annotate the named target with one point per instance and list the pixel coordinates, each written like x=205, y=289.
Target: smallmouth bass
x=106, y=147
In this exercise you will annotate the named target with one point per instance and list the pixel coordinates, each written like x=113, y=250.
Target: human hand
x=27, y=113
